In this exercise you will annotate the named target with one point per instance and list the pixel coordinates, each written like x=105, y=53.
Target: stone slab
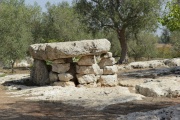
x=52, y=51
x=108, y=80
x=168, y=87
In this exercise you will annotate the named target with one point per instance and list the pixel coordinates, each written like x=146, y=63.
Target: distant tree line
x=128, y=24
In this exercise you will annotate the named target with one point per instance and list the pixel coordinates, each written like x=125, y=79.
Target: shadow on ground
x=152, y=73
x=43, y=110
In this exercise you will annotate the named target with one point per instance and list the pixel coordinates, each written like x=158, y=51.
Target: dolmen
x=86, y=63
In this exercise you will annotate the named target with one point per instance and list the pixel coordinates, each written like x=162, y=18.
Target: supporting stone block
x=53, y=77
x=110, y=70
x=65, y=77
x=87, y=60
x=108, y=80
x=106, y=62
x=39, y=73
x=60, y=68
x=85, y=79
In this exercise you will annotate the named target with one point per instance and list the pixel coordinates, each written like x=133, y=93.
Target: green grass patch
x=2, y=75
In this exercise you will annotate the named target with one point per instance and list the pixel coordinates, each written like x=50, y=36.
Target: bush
x=142, y=45
x=164, y=51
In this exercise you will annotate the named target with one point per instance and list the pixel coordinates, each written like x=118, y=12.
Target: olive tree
x=15, y=37
x=119, y=15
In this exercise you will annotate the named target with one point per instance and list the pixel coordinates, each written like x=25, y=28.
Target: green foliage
x=175, y=41
x=165, y=37
x=164, y=51
x=142, y=45
x=15, y=37
x=118, y=14
x=115, y=46
x=2, y=75
x=172, y=18
x=61, y=23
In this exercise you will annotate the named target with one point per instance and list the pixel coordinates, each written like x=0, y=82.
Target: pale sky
x=43, y=2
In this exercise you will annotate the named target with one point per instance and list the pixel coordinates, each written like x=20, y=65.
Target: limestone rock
x=172, y=62
x=87, y=60
x=108, y=80
x=106, y=62
x=37, y=51
x=109, y=70
x=53, y=77
x=98, y=77
x=60, y=68
x=64, y=84
x=145, y=64
x=94, y=69
x=52, y=51
x=107, y=55
x=65, y=77
x=62, y=61
x=153, y=88
x=39, y=73
x=84, y=79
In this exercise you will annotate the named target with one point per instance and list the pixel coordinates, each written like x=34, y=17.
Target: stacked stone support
x=109, y=77
x=64, y=72
x=60, y=74
x=87, y=69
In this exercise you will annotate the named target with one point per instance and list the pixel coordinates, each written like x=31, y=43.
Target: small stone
x=64, y=84
x=99, y=84
x=91, y=85
x=85, y=79
x=65, y=77
x=108, y=80
x=98, y=77
x=87, y=60
x=53, y=77
x=107, y=55
x=60, y=68
x=109, y=70
x=106, y=62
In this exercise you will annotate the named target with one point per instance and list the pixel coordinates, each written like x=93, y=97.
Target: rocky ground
x=144, y=93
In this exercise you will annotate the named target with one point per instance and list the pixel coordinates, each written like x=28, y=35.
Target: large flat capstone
x=53, y=51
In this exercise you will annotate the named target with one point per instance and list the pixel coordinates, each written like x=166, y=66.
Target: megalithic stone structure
x=87, y=71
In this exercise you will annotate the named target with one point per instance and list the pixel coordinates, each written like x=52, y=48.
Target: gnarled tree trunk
x=123, y=44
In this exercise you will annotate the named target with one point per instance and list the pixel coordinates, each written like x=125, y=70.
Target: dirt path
x=12, y=108
x=21, y=109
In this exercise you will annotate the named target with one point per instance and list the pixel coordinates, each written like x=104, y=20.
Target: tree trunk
x=12, y=66
x=123, y=44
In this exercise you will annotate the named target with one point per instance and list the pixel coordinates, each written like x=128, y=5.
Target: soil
x=17, y=108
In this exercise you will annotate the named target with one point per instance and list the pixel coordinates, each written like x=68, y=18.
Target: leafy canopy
x=15, y=30
x=172, y=18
